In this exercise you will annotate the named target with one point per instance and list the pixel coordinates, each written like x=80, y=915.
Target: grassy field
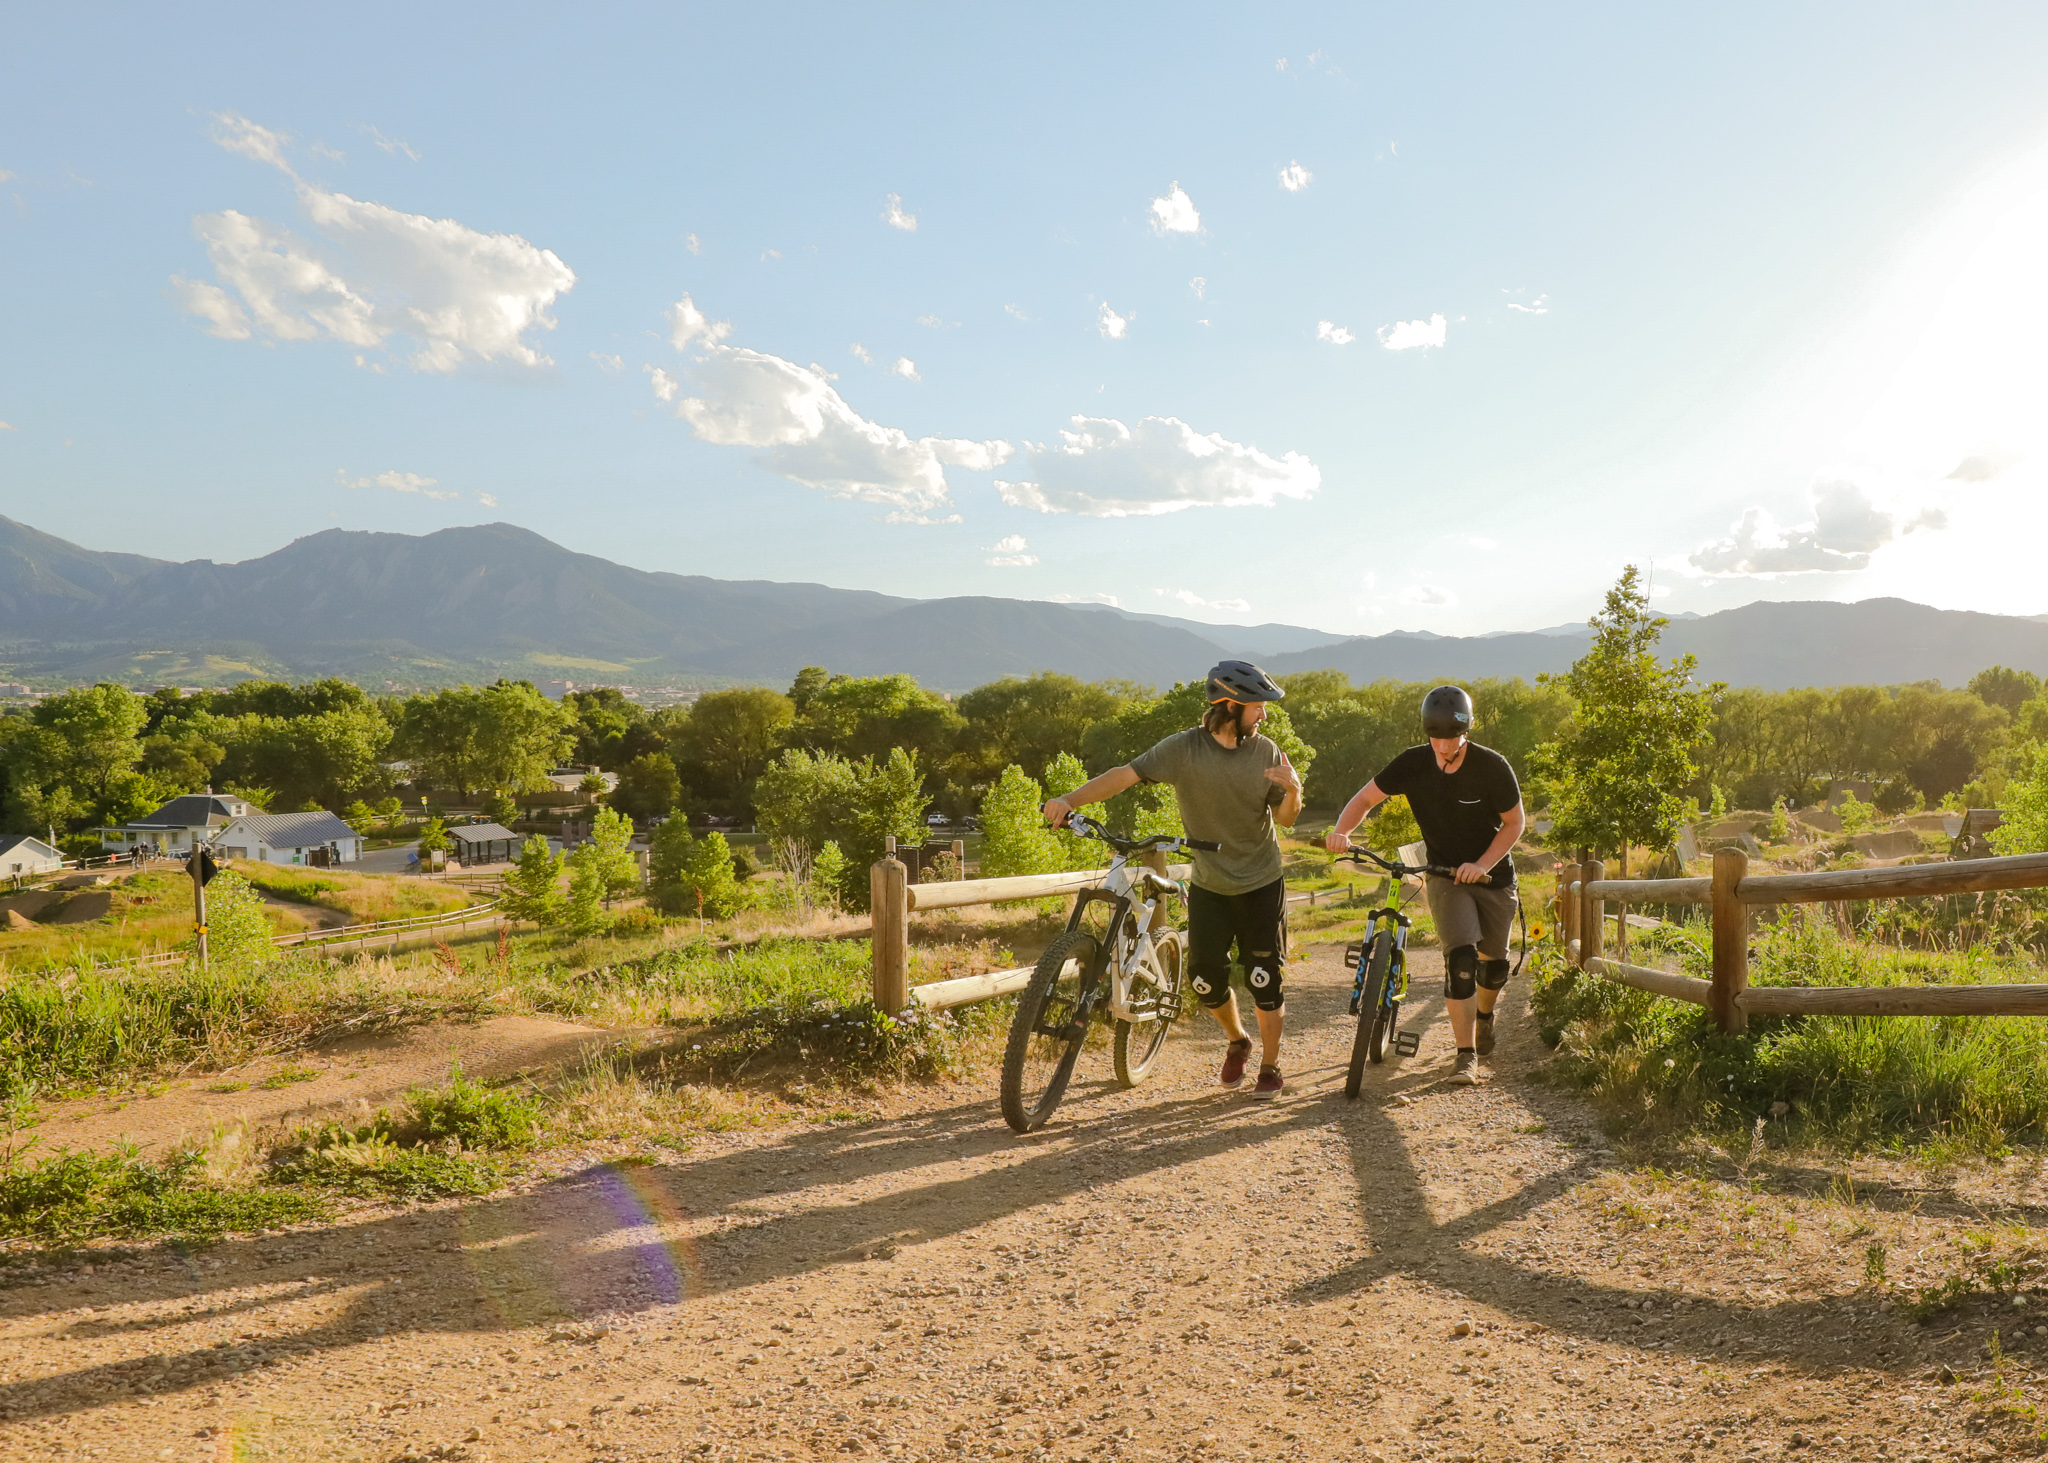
x=152, y=911
x=1935, y=1085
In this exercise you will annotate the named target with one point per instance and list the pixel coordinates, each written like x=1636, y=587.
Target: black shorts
x=1254, y=922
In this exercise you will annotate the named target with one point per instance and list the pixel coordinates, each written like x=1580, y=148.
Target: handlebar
x=1083, y=826
x=1399, y=870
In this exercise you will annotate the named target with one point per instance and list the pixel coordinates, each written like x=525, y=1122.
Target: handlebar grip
x=1203, y=844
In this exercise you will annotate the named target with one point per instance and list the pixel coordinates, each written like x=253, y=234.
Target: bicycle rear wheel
x=1379, y=959
x=1139, y=1043
x=1044, y=1041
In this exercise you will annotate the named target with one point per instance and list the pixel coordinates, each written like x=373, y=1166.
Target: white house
x=171, y=828
x=21, y=855
x=289, y=838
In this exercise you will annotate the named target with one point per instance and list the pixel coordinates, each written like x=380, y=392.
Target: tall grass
x=1972, y=1083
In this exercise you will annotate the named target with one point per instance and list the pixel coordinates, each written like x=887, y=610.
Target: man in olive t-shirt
x=1232, y=785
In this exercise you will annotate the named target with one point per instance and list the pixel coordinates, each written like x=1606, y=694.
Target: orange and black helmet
x=1240, y=680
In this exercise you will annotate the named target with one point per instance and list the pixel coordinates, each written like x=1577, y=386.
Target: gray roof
x=483, y=833
x=193, y=810
x=28, y=844
x=296, y=830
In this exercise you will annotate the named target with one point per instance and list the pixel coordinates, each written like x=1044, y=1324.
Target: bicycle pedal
x=1407, y=1043
x=1352, y=951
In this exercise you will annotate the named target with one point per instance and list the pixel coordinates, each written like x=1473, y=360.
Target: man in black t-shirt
x=1469, y=806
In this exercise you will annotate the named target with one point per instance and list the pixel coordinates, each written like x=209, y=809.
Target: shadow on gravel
x=606, y=1241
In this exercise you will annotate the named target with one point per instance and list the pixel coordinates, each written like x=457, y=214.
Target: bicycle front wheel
x=1139, y=1043
x=1044, y=1040
x=1379, y=959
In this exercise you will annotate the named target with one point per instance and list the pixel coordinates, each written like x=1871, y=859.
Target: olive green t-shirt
x=1224, y=798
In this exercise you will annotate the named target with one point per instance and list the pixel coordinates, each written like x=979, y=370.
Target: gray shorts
x=1472, y=914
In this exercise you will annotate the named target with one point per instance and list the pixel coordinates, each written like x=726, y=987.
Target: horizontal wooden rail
x=958, y=893
x=965, y=990
x=1657, y=982
x=1898, y=1000
x=1652, y=891
x=1902, y=881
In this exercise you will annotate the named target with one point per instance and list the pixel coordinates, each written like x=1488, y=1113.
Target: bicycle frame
x=1132, y=895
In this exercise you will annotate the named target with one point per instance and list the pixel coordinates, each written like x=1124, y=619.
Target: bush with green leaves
x=238, y=933
x=600, y=871
x=690, y=875
x=434, y=837
x=473, y=1114
x=1857, y=816
x=501, y=809
x=816, y=797
x=532, y=887
x=828, y=876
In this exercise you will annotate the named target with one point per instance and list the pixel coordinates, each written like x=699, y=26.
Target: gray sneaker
x=1465, y=1072
x=1484, y=1038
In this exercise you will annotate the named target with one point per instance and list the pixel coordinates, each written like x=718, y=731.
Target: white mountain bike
x=1146, y=965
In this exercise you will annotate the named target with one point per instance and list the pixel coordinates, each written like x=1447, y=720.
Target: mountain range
x=395, y=610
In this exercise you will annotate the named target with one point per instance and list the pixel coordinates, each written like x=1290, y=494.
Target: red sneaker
x=1269, y=1083
x=1234, y=1059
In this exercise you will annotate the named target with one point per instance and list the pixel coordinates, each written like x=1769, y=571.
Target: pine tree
x=1618, y=768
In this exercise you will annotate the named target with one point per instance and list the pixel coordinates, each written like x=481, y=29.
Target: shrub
x=371, y=1165
x=75, y=1196
x=533, y=886
x=238, y=934
x=475, y=1115
x=1856, y=815
x=687, y=874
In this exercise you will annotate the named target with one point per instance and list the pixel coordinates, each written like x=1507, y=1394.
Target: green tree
x=586, y=911
x=238, y=934
x=648, y=787
x=358, y=816
x=1391, y=828
x=1029, y=722
x=816, y=797
x=2025, y=804
x=184, y=760
x=2001, y=685
x=728, y=739
x=1147, y=809
x=501, y=809
x=1618, y=768
x=97, y=728
x=506, y=735
x=1014, y=837
x=692, y=875
x=869, y=716
x=533, y=885
x=434, y=837
x=609, y=855
x=610, y=731
x=828, y=876
x=807, y=681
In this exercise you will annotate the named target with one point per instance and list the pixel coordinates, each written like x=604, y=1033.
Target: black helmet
x=1240, y=680
x=1446, y=712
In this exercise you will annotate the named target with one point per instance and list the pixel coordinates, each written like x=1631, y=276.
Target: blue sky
x=1357, y=317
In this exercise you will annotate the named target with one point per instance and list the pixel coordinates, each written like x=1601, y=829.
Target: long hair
x=1224, y=713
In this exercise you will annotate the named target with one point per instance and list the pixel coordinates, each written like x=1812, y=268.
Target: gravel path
x=1170, y=1273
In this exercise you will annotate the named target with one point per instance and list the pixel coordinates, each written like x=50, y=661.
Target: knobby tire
x=1037, y=1067
x=1379, y=959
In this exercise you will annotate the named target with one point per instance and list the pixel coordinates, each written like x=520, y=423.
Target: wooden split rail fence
x=1731, y=893
x=341, y=939
x=895, y=898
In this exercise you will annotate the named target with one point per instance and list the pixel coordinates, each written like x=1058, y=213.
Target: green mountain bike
x=1380, y=975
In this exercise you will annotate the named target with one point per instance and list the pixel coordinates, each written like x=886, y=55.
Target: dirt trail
x=1169, y=1273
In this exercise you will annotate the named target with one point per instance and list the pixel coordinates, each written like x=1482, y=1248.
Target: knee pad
x=1461, y=972
x=1212, y=988
x=1493, y=974
x=1265, y=985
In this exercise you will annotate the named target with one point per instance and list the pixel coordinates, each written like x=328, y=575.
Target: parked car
x=936, y=820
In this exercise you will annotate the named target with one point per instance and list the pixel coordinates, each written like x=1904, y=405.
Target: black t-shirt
x=1460, y=812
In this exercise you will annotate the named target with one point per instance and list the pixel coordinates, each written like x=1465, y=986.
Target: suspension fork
x=1105, y=951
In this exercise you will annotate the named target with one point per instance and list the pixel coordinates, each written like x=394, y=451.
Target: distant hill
x=476, y=603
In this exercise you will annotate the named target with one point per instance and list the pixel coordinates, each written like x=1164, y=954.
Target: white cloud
x=906, y=368
x=1294, y=177
x=6, y=176
x=8, y=427
x=1195, y=601
x=1175, y=213
x=896, y=218
x=1112, y=325
x=489, y=500
x=373, y=274
x=1846, y=529
x=1103, y=469
x=1200, y=286
x=608, y=363
x=693, y=243
x=399, y=482
x=1428, y=597
x=1540, y=306
x=1008, y=552
x=805, y=431
x=1088, y=599
x=938, y=322
x=687, y=323
x=1982, y=465
x=1407, y=334
x=1334, y=334
x=860, y=353
x=396, y=146
x=1015, y=310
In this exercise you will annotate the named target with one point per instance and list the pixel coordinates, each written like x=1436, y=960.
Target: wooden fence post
x=889, y=902
x=1731, y=940
x=959, y=858
x=1592, y=913
x=1567, y=907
